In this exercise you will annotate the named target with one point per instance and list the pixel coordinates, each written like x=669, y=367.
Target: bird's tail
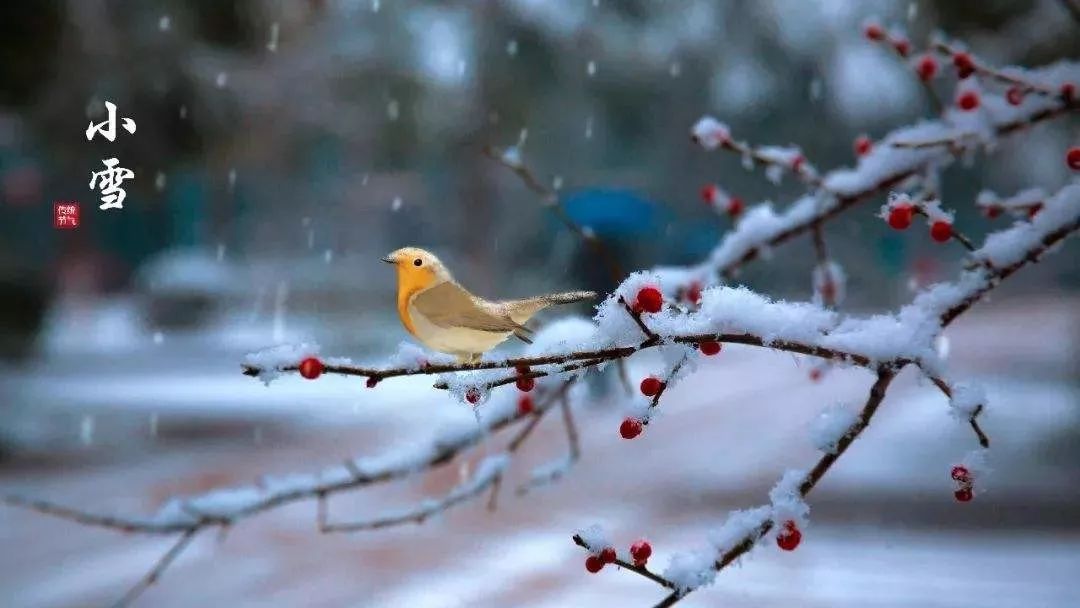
x=568, y=297
x=522, y=310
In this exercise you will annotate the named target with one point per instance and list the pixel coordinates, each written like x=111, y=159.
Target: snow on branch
x=902, y=154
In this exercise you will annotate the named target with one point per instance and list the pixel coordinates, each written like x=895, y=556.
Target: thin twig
x=946, y=390
x=995, y=74
x=155, y=573
x=551, y=200
x=642, y=570
x=800, y=167
x=573, y=454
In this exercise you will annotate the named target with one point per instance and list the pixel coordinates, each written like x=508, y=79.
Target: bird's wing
x=449, y=305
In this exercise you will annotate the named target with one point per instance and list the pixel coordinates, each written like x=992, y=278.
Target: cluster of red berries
x=965, y=66
x=639, y=552
x=790, y=537
x=311, y=368
x=874, y=32
x=900, y=219
x=962, y=476
x=710, y=195
x=649, y=299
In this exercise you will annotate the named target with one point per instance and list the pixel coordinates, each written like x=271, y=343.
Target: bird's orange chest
x=410, y=282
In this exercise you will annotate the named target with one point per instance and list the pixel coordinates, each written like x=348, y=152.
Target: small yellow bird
x=446, y=317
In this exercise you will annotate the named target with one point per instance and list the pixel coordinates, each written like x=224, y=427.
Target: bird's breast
x=407, y=290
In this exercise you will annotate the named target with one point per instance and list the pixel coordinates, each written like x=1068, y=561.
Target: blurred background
x=284, y=146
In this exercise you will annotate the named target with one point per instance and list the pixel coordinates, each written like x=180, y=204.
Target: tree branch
x=511, y=159
x=159, y=568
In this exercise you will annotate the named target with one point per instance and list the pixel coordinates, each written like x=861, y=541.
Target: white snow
x=1007, y=247
x=709, y=132
x=595, y=537
x=831, y=425
x=269, y=361
x=966, y=400
x=787, y=502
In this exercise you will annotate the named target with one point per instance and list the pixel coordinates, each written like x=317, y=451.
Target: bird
x=447, y=318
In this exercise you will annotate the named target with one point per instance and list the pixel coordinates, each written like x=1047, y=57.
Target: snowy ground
x=884, y=530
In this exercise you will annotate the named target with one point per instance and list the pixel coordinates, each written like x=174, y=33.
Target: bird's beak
x=388, y=260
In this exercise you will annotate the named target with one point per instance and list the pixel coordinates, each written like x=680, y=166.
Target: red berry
x=1034, y=210
x=472, y=395
x=709, y=347
x=651, y=386
x=961, y=474
x=693, y=293
x=1068, y=92
x=526, y=383
x=525, y=405
x=900, y=217
x=903, y=47
x=964, y=65
x=873, y=31
x=1072, y=158
x=371, y=382
x=863, y=145
x=815, y=374
x=992, y=211
x=968, y=101
x=828, y=291
x=640, y=551
x=630, y=428
x=963, y=494
x=941, y=231
x=1015, y=96
x=593, y=563
x=789, y=538
x=607, y=555
x=311, y=368
x=797, y=162
x=735, y=206
x=926, y=68
x=709, y=193
x=649, y=299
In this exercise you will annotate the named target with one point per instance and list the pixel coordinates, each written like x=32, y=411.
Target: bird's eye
x=418, y=262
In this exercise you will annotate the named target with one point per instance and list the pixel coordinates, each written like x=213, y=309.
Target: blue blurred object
x=616, y=213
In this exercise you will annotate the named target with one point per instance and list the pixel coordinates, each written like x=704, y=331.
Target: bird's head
x=417, y=268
